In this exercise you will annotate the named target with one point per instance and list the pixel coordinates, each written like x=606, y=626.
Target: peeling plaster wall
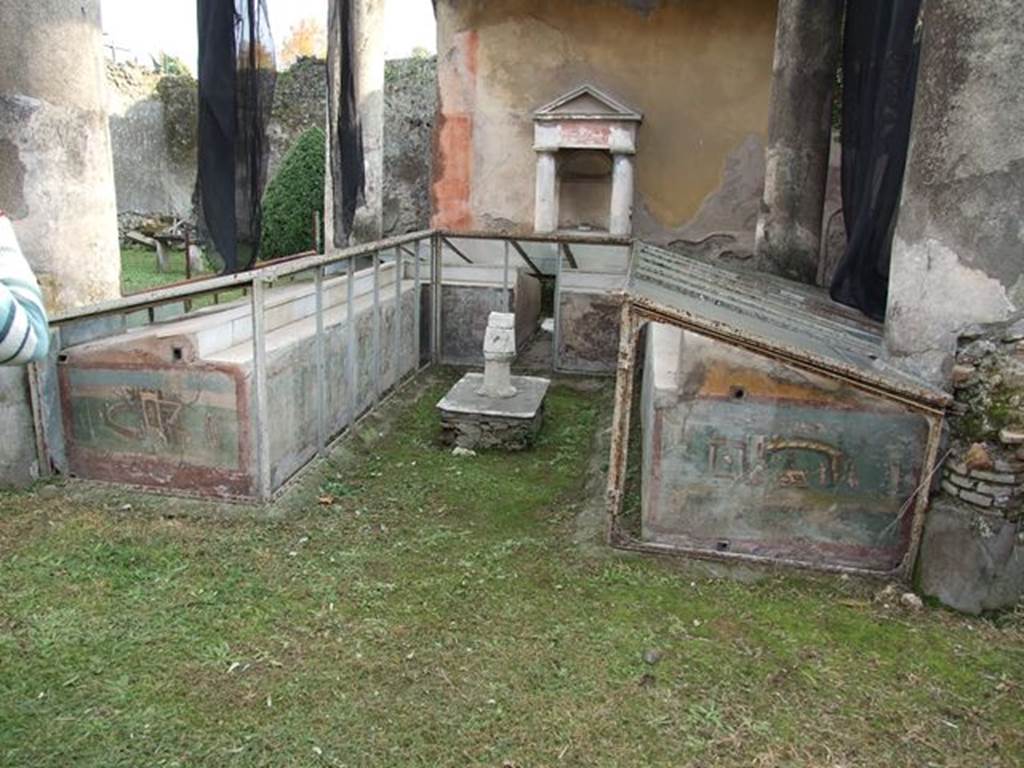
x=156, y=176
x=699, y=70
x=958, y=253
x=149, y=177
x=57, y=177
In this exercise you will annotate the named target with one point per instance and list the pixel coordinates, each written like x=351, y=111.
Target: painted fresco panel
x=186, y=428
x=746, y=456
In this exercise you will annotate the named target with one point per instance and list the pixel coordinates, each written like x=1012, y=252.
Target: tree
x=292, y=198
x=166, y=64
x=307, y=38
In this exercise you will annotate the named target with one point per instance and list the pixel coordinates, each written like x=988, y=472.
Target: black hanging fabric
x=348, y=173
x=880, y=56
x=237, y=75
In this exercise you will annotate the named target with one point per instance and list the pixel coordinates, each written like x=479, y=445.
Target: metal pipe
x=504, y=274
x=376, y=367
x=417, y=303
x=353, y=343
x=628, y=333
x=260, y=395
x=268, y=272
x=396, y=354
x=529, y=237
x=557, y=312
x=35, y=393
x=436, y=276
x=319, y=351
x=526, y=257
x=459, y=253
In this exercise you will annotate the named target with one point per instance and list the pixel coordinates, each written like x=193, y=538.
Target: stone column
x=369, y=36
x=957, y=253
x=56, y=170
x=620, y=220
x=799, y=132
x=368, y=225
x=545, y=209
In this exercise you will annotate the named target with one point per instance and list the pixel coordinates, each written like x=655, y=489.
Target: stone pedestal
x=474, y=421
x=499, y=352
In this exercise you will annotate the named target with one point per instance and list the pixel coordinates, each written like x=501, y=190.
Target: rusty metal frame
x=254, y=284
x=634, y=315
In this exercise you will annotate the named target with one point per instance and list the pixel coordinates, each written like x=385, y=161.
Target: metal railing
x=425, y=250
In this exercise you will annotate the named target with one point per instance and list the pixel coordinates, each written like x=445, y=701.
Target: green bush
x=294, y=194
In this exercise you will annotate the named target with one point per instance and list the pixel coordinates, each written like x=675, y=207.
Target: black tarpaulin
x=880, y=55
x=348, y=173
x=237, y=74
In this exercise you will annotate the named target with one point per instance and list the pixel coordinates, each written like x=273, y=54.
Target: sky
x=148, y=27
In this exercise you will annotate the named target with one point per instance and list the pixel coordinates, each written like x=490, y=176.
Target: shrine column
x=620, y=221
x=546, y=203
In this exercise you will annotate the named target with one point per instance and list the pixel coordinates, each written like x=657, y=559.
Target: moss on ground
x=401, y=606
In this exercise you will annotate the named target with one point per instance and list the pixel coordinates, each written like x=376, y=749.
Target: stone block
x=1001, y=478
x=1012, y=466
x=972, y=497
x=971, y=567
x=949, y=488
x=962, y=374
x=1011, y=436
x=472, y=421
x=978, y=457
x=960, y=480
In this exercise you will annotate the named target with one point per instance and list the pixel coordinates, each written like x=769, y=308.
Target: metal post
x=320, y=353
x=504, y=276
x=620, y=417
x=920, y=504
x=557, y=331
x=352, y=363
x=417, y=307
x=259, y=378
x=318, y=242
x=36, y=397
x=376, y=367
x=396, y=354
x=437, y=289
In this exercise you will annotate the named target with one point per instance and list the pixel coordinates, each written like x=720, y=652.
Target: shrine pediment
x=586, y=103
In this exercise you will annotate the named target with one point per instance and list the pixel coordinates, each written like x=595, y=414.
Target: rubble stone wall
x=972, y=555
x=152, y=121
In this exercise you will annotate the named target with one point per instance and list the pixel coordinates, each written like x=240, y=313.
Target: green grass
x=139, y=272
x=437, y=613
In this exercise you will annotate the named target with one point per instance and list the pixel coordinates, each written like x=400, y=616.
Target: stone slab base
x=471, y=421
x=970, y=560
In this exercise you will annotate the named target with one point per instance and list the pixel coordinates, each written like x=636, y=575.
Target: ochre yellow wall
x=699, y=70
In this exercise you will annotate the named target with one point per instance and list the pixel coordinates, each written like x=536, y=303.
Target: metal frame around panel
x=633, y=317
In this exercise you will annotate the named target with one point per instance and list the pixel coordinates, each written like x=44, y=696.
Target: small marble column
x=620, y=220
x=545, y=210
x=499, y=352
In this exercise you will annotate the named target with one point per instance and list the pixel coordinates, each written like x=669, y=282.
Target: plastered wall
x=699, y=70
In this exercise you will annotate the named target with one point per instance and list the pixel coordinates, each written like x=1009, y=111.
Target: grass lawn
x=404, y=607
x=139, y=272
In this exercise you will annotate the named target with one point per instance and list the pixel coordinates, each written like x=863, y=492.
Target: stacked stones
x=986, y=464
x=474, y=431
